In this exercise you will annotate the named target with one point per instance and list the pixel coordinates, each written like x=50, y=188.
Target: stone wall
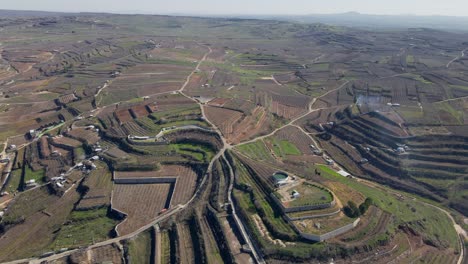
x=330, y=234
x=301, y=208
x=146, y=142
x=145, y=180
x=288, y=218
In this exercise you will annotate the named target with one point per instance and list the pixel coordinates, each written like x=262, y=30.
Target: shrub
x=351, y=210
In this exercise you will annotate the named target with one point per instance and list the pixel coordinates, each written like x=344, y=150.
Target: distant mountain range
x=350, y=19
x=353, y=19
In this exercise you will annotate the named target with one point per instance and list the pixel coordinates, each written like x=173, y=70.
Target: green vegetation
x=457, y=115
x=460, y=87
x=165, y=248
x=417, y=77
x=432, y=224
x=84, y=228
x=256, y=150
x=283, y=147
x=327, y=224
x=248, y=57
x=310, y=195
x=37, y=176
x=198, y=152
x=351, y=210
x=372, y=224
x=139, y=248
x=14, y=181
x=246, y=76
x=79, y=153
x=320, y=66
x=22, y=207
x=49, y=130
x=256, y=202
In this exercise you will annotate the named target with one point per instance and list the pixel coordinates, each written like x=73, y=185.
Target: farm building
x=328, y=160
x=400, y=150
x=295, y=194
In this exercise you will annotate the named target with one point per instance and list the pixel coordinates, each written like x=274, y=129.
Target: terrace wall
x=330, y=234
x=146, y=142
x=288, y=218
x=302, y=208
x=60, y=145
x=145, y=180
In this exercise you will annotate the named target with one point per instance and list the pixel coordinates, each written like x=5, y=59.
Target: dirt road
x=310, y=110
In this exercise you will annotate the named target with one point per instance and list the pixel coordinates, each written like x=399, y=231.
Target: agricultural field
x=139, y=249
x=132, y=200
x=155, y=139
x=309, y=194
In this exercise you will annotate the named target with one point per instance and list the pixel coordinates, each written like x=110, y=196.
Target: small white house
x=295, y=194
x=400, y=150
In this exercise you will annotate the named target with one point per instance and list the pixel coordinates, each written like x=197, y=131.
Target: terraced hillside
x=163, y=139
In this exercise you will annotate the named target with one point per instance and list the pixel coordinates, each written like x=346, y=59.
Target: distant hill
x=350, y=19
x=28, y=13
x=353, y=19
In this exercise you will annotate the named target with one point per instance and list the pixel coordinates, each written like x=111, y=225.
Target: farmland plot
x=140, y=202
x=149, y=81
x=37, y=231
x=224, y=119
x=184, y=186
x=297, y=137
x=84, y=135
x=237, y=127
x=187, y=254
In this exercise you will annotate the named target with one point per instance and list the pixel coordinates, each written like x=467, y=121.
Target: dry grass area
x=344, y=192
x=326, y=224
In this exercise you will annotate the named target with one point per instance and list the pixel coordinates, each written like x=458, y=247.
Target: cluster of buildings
x=59, y=181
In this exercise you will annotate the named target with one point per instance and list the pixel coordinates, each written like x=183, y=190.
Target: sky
x=247, y=7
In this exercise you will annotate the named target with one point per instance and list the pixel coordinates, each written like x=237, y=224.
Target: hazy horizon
x=244, y=7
